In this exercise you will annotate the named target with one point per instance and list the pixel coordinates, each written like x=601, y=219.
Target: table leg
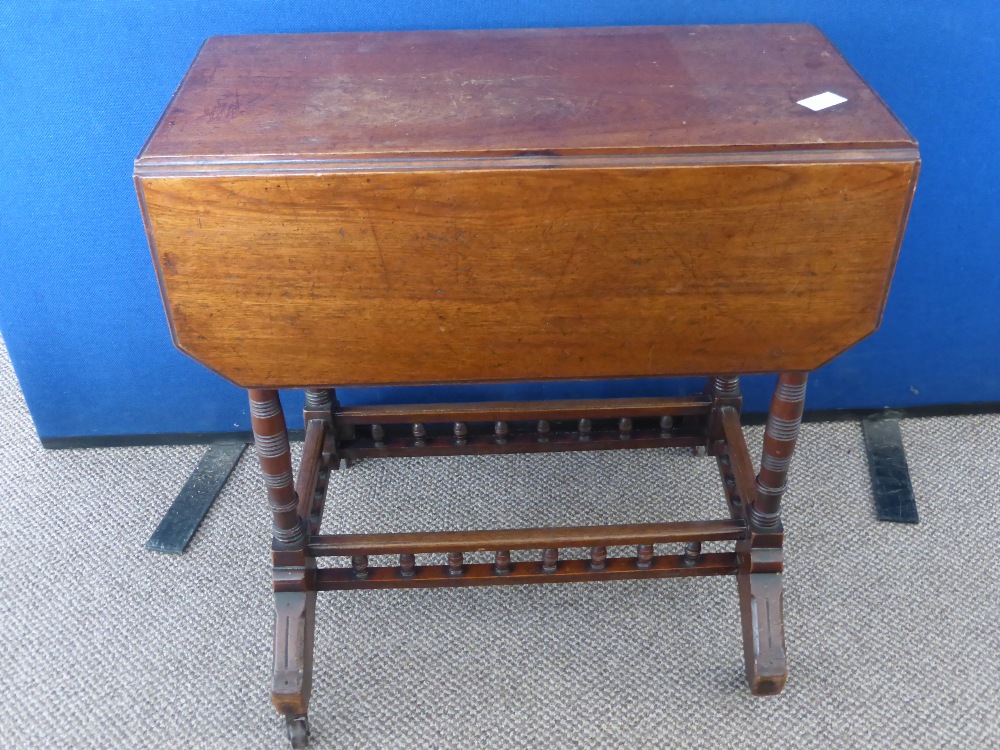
x=320, y=403
x=760, y=556
x=725, y=391
x=294, y=579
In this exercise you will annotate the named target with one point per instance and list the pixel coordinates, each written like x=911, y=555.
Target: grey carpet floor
x=892, y=630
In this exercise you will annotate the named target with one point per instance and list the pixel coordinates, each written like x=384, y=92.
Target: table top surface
x=438, y=207
x=404, y=95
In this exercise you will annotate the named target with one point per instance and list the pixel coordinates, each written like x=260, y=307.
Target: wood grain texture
x=422, y=207
x=378, y=96
x=421, y=277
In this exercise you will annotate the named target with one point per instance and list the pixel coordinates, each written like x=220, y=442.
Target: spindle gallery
x=602, y=203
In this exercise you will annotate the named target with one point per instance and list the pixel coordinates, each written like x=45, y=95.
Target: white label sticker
x=822, y=101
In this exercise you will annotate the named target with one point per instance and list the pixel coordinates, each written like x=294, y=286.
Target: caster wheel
x=297, y=728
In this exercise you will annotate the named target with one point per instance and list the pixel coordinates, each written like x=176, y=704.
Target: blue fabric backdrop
x=82, y=83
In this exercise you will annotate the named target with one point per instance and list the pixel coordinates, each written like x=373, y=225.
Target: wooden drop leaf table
x=330, y=210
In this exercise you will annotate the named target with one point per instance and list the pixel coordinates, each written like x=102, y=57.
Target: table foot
x=761, y=609
x=294, y=628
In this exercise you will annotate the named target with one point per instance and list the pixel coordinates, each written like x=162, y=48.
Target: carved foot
x=297, y=728
x=761, y=596
x=294, y=625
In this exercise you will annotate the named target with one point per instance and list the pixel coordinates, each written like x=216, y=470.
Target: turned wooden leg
x=294, y=583
x=271, y=446
x=760, y=556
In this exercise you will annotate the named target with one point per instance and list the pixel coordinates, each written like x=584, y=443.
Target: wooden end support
x=757, y=500
x=333, y=432
x=296, y=510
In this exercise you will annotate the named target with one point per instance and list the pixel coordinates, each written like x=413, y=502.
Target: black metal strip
x=894, y=500
x=184, y=517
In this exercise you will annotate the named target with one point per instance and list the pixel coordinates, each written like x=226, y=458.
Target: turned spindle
x=501, y=430
x=550, y=560
x=359, y=564
x=692, y=552
x=780, y=434
x=419, y=435
x=624, y=428
x=407, y=565
x=644, y=556
x=318, y=399
x=275, y=458
x=461, y=432
x=598, y=558
x=455, y=563
x=378, y=435
x=728, y=387
x=501, y=562
x=666, y=426
x=585, y=427
x=544, y=428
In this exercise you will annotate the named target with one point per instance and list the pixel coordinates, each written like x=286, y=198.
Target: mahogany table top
x=562, y=91
x=473, y=206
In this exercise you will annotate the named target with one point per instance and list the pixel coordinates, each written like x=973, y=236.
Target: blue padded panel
x=82, y=84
